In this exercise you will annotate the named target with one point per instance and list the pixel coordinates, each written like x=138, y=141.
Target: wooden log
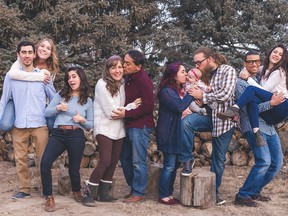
x=8, y=153
x=89, y=135
x=207, y=136
x=186, y=189
x=228, y=158
x=206, y=149
x=84, y=162
x=197, y=143
x=8, y=137
x=64, y=183
x=239, y=158
x=251, y=160
x=154, y=172
x=243, y=142
x=198, y=189
x=90, y=148
x=94, y=160
x=233, y=145
x=31, y=159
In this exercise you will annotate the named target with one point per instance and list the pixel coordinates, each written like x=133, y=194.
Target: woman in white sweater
x=109, y=133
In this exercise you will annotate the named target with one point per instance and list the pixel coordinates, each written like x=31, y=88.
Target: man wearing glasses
x=138, y=123
x=223, y=81
x=268, y=158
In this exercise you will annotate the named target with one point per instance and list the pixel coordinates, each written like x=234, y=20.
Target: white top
x=17, y=74
x=275, y=83
x=104, y=103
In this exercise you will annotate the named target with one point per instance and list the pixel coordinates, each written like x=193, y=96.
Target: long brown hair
x=112, y=85
x=281, y=65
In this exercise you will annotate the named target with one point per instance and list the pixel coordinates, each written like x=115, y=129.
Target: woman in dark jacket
x=172, y=102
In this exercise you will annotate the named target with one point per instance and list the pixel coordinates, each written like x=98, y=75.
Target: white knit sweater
x=104, y=103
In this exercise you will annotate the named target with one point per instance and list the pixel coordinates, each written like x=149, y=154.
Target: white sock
x=255, y=130
x=236, y=106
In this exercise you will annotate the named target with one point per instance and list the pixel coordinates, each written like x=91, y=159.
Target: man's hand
x=196, y=92
x=119, y=113
x=244, y=74
x=199, y=102
x=277, y=98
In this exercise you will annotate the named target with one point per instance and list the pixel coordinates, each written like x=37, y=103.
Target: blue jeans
x=168, y=174
x=134, y=159
x=8, y=117
x=252, y=96
x=60, y=140
x=268, y=162
x=190, y=124
x=220, y=146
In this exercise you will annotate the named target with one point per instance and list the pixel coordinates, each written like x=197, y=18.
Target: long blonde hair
x=52, y=61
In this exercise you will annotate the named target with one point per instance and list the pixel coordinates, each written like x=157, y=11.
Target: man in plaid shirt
x=223, y=81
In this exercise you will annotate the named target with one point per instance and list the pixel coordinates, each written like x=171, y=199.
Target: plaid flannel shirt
x=223, y=84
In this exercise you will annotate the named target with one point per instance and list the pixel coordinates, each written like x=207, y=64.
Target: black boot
x=90, y=194
x=103, y=194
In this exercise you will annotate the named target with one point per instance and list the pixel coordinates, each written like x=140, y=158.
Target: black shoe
x=21, y=195
x=259, y=139
x=260, y=197
x=88, y=198
x=231, y=112
x=245, y=202
x=187, y=168
x=220, y=201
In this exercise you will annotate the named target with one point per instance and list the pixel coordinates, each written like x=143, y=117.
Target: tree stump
x=64, y=183
x=199, y=189
x=154, y=172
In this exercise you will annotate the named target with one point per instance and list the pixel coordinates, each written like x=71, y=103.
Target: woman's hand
x=63, y=106
x=47, y=76
x=78, y=118
x=137, y=102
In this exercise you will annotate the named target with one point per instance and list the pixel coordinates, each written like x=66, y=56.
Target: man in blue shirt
x=268, y=158
x=29, y=99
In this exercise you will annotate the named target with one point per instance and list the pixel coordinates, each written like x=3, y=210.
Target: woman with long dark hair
x=172, y=102
x=73, y=109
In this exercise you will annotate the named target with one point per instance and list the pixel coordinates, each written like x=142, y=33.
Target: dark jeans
x=109, y=152
x=60, y=140
x=252, y=96
x=168, y=174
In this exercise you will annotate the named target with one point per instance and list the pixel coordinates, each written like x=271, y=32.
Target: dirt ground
x=233, y=178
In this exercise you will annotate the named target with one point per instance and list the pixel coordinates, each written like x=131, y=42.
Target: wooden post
x=154, y=172
x=198, y=189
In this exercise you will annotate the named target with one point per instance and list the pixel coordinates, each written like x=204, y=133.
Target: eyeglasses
x=198, y=63
x=251, y=62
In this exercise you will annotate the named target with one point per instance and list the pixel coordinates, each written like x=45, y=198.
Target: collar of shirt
x=34, y=70
x=133, y=76
x=214, y=72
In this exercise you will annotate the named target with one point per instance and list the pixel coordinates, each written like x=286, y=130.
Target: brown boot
x=78, y=196
x=50, y=204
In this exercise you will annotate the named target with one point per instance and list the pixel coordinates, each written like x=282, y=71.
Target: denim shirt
x=244, y=120
x=29, y=99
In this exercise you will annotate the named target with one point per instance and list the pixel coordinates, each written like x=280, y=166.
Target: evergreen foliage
x=88, y=31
